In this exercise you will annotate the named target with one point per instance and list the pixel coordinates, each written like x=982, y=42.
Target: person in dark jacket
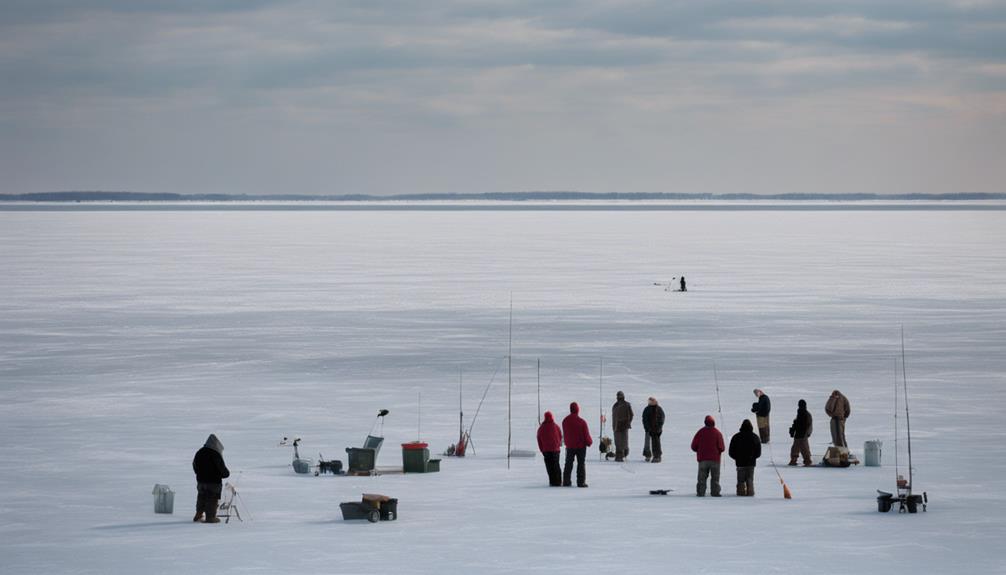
x=683, y=286
x=708, y=446
x=210, y=473
x=621, y=423
x=761, y=409
x=550, y=443
x=800, y=431
x=576, y=436
x=838, y=410
x=653, y=426
x=745, y=449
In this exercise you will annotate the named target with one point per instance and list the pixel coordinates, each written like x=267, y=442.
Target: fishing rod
x=719, y=407
x=897, y=465
x=478, y=409
x=600, y=408
x=908, y=421
x=509, y=383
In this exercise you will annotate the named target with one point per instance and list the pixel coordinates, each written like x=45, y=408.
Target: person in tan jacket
x=838, y=410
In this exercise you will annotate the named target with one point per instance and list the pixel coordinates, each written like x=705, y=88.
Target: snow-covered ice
x=127, y=337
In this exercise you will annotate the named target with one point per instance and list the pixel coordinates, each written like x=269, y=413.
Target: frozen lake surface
x=127, y=336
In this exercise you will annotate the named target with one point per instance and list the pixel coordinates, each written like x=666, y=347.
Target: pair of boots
x=653, y=459
x=743, y=491
x=807, y=463
x=210, y=515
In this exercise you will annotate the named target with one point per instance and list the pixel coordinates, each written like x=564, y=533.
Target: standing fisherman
x=621, y=422
x=761, y=409
x=838, y=410
x=653, y=426
x=550, y=442
x=683, y=287
x=576, y=435
x=745, y=449
x=210, y=473
x=708, y=446
x=800, y=431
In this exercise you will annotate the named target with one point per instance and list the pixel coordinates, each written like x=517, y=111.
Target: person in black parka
x=210, y=473
x=653, y=427
x=800, y=431
x=745, y=449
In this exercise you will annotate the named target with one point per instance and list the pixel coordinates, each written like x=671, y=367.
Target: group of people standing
x=708, y=444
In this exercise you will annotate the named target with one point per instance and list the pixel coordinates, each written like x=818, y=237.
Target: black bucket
x=389, y=510
x=884, y=503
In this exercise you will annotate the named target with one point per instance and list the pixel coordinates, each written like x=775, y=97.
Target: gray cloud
x=315, y=96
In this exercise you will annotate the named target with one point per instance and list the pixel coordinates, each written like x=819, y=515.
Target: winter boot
x=211, y=511
x=198, y=517
x=792, y=463
x=655, y=460
x=647, y=458
x=742, y=490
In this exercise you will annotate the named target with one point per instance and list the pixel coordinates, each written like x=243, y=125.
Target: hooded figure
x=761, y=409
x=800, y=431
x=550, y=442
x=621, y=422
x=708, y=445
x=576, y=436
x=745, y=449
x=210, y=470
x=838, y=410
x=653, y=427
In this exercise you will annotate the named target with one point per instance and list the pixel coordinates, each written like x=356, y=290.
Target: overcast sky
x=381, y=97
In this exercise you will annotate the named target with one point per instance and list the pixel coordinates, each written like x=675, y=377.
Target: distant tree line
x=99, y=196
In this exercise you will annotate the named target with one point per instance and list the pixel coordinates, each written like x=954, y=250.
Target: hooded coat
x=708, y=442
x=803, y=425
x=209, y=462
x=653, y=419
x=549, y=435
x=838, y=406
x=575, y=432
x=621, y=414
x=745, y=446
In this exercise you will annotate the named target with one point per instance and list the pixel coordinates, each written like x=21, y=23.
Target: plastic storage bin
x=414, y=457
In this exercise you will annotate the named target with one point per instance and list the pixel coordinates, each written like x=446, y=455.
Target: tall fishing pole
x=509, y=383
x=600, y=408
x=908, y=421
x=897, y=466
x=461, y=410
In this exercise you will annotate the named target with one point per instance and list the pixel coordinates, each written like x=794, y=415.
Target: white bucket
x=164, y=499
x=872, y=452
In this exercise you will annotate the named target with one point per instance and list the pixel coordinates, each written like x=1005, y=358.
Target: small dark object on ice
x=660, y=491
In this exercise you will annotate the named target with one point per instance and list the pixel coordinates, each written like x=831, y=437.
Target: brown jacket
x=621, y=415
x=838, y=406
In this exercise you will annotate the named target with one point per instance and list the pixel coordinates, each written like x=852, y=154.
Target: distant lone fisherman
x=621, y=423
x=550, y=443
x=800, y=431
x=576, y=436
x=761, y=409
x=210, y=473
x=653, y=427
x=838, y=410
x=708, y=446
x=683, y=287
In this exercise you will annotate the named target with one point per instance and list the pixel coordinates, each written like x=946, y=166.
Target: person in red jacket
x=576, y=435
x=708, y=445
x=550, y=442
